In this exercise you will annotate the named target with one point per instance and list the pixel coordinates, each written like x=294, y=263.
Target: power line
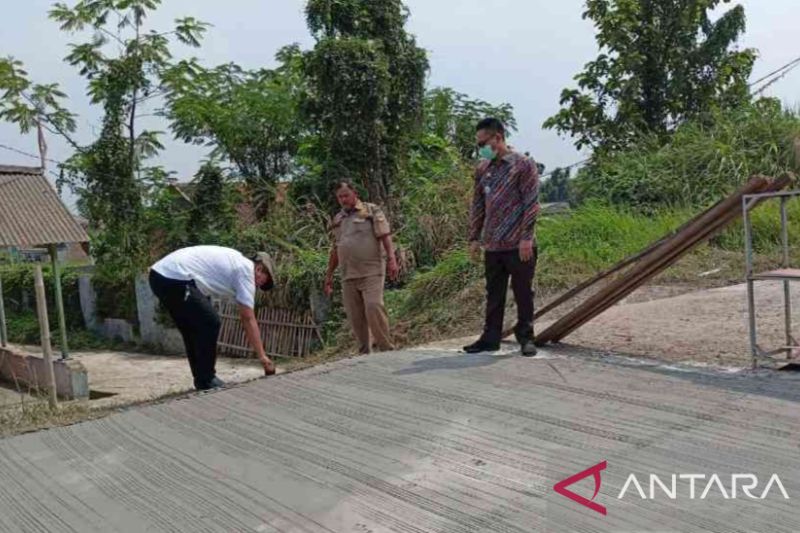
x=573, y=165
x=33, y=156
x=790, y=65
x=776, y=79
x=28, y=154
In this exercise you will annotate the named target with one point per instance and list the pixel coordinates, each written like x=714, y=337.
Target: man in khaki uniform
x=362, y=243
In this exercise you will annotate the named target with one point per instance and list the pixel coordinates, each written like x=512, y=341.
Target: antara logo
x=693, y=486
x=739, y=484
x=561, y=487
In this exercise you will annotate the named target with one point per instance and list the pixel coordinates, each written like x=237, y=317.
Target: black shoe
x=213, y=383
x=482, y=346
x=527, y=348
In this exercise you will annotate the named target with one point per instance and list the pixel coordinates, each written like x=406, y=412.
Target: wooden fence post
x=44, y=328
x=3, y=329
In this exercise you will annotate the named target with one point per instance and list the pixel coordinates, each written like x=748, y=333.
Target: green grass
x=702, y=162
x=766, y=228
x=447, y=299
x=572, y=247
x=595, y=236
x=435, y=286
x=23, y=328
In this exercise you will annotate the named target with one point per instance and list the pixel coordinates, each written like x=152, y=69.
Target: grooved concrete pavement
x=425, y=440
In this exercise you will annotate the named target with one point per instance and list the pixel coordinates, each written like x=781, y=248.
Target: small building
x=32, y=216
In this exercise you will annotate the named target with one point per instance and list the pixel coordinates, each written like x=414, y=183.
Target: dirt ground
x=121, y=378
x=699, y=327
x=688, y=323
x=11, y=397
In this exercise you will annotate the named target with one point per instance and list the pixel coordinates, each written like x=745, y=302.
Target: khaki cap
x=265, y=259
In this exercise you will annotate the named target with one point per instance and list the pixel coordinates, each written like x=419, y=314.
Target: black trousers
x=499, y=267
x=197, y=321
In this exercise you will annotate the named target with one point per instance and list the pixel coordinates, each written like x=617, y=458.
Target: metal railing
x=785, y=274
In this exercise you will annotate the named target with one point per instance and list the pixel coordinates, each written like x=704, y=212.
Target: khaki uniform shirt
x=357, y=234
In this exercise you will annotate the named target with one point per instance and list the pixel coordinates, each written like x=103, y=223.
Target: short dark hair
x=344, y=183
x=495, y=125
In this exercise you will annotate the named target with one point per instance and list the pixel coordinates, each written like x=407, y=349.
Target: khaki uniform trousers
x=363, y=303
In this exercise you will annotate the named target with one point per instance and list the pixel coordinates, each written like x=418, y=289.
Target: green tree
x=250, y=118
x=112, y=196
x=166, y=221
x=701, y=163
x=661, y=62
x=452, y=116
x=211, y=216
x=30, y=105
x=556, y=188
x=367, y=86
x=123, y=62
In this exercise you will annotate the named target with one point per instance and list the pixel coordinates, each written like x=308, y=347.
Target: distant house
x=245, y=212
x=70, y=253
x=74, y=252
x=182, y=199
x=32, y=217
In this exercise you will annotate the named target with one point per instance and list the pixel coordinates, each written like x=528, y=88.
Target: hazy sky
x=518, y=51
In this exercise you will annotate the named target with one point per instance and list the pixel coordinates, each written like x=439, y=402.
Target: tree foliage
x=367, y=85
x=112, y=195
x=120, y=46
x=123, y=64
x=702, y=162
x=353, y=107
x=250, y=118
x=211, y=217
x=556, y=188
x=661, y=62
x=29, y=104
x=452, y=116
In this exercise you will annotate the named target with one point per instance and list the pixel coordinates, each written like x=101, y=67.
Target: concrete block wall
x=151, y=332
x=27, y=372
x=88, y=302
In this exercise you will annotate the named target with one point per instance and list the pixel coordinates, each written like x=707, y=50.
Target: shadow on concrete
x=762, y=382
x=452, y=362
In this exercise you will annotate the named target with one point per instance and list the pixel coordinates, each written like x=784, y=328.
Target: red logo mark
x=561, y=487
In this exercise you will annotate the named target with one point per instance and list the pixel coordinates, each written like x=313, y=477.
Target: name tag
x=359, y=220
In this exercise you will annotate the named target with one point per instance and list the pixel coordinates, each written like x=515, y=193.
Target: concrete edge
x=26, y=370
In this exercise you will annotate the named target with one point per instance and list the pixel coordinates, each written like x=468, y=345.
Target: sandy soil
x=707, y=326
x=121, y=378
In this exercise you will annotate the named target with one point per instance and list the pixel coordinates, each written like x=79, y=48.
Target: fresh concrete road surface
x=427, y=440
